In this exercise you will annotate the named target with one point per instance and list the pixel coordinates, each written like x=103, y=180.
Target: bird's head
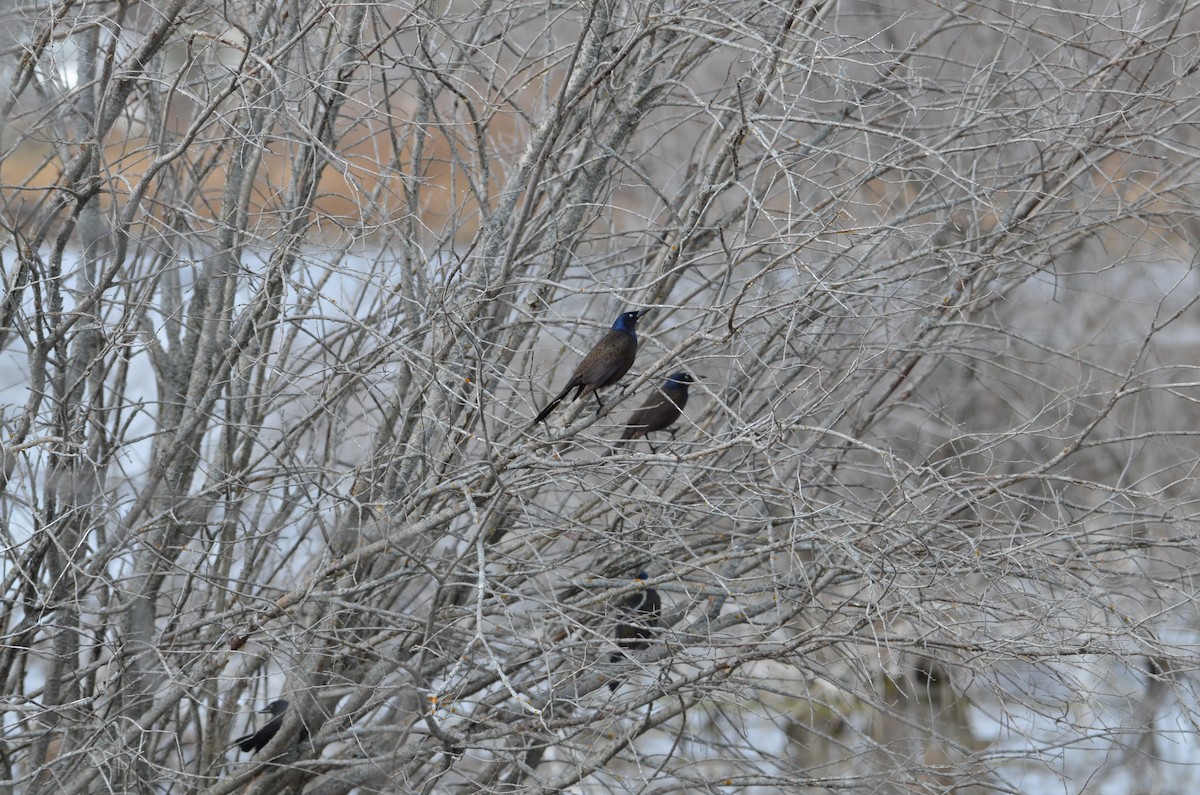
x=641, y=575
x=627, y=321
x=276, y=707
x=680, y=379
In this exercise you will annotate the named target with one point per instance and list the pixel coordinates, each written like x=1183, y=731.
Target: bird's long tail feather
x=553, y=404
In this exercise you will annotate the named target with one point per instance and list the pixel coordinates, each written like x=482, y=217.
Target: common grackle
x=660, y=409
x=604, y=364
x=260, y=738
x=642, y=612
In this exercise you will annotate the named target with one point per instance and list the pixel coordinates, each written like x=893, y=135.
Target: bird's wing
x=597, y=374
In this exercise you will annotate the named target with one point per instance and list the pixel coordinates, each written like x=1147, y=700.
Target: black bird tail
x=553, y=404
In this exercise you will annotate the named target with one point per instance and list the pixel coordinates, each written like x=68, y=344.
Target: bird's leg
x=652, y=447
x=599, y=401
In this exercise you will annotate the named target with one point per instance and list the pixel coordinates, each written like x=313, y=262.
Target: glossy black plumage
x=260, y=738
x=641, y=613
x=604, y=364
x=660, y=409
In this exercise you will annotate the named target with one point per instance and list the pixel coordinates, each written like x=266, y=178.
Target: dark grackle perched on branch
x=259, y=739
x=603, y=365
x=660, y=409
x=641, y=611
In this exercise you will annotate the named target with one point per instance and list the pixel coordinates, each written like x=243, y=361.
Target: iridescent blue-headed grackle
x=660, y=409
x=260, y=738
x=642, y=611
x=604, y=364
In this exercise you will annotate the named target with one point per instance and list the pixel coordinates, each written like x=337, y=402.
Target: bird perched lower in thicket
x=260, y=738
x=660, y=409
x=604, y=364
x=642, y=611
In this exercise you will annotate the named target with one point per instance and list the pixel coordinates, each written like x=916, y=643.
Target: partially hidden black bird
x=660, y=409
x=641, y=613
x=260, y=738
x=604, y=364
